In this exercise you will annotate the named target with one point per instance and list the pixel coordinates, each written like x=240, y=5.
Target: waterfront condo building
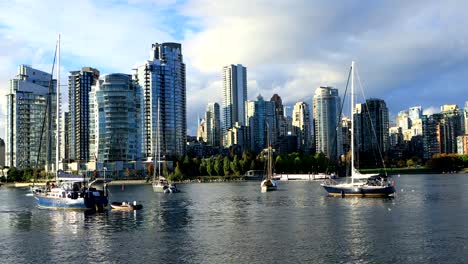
x=372, y=127
x=281, y=126
x=115, y=113
x=234, y=96
x=327, y=122
x=261, y=119
x=301, y=125
x=30, y=128
x=79, y=87
x=213, y=125
x=162, y=80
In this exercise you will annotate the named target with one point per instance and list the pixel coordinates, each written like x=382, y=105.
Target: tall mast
x=159, y=134
x=352, y=121
x=57, y=132
x=157, y=151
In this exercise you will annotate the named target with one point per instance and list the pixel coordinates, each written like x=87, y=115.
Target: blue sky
x=408, y=52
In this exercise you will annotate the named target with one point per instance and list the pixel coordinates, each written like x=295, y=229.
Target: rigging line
x=372, y=124
x=48, y=104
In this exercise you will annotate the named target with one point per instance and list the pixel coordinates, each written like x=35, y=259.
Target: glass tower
x=328, y=138
x=30, y=130
x=234, y=95
x=162, y=80
x=115, y=113
x=79, y=87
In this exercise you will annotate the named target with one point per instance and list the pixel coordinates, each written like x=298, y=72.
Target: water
x=233, y=222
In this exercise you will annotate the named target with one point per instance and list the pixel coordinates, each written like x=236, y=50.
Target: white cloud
x=405, y=50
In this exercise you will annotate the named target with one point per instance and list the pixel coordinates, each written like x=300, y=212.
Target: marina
x=229, y=222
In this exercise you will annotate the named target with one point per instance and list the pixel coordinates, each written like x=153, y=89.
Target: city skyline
x=420, y=47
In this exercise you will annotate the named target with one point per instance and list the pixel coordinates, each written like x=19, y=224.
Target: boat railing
x=329, y=181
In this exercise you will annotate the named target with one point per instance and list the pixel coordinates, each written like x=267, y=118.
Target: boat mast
x=352, y=121
x=57, y=132
x=157, y=150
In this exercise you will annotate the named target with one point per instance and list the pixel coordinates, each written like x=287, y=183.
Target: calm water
x=427, y=222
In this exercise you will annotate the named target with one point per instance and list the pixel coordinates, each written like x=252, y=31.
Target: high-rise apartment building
x=430, y=137
x=79, y=87
x=201, y=130
x=281, y=125
x=465, y=118
x=213, y=125
x=372, y=126
x=301, y=125
x=234, y=96
x=449, y=128
x=29, y=119
x=162, y=79
x=115, y=113
x=261, y=119
x=2, y=153
x=327, y=122
x=65, y=136
x=415, y=113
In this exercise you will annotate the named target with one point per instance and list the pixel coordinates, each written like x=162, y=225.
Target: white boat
x=160, y=184
x=361, y=185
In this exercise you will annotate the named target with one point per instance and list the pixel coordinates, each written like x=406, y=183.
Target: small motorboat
x=125, y=206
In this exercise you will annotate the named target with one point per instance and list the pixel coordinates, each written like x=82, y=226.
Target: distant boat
x=269, y=184
x=125, y=206
x=160, y=184
x=361, y=185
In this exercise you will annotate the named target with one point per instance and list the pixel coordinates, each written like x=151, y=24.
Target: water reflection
x=235, y=223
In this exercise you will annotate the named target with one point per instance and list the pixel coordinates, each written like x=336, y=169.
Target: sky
x=408, y=53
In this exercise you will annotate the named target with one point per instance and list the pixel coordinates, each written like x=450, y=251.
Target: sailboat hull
x=269, y=185
x=71, y=204
x=359, y=191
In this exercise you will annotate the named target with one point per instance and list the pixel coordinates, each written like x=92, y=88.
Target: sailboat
x=160, y=184
x=70, y=191
x=361, y=185
x=268, y=184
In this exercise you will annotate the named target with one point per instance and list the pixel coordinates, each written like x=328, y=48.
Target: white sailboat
x=269, y=184
x=160, y=183
x=361, y=185
x=71, y=191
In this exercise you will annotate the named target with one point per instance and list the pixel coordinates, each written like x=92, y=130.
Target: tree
x=210, y=166
x=279, y=165
x=253, y=165
x=226, y=166
x=14, y=174
x=235, y=166
x=410, y=163
x=218, y=166
x=177, y=175
x=202, y=167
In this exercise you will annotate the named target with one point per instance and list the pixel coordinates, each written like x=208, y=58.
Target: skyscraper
x=79, y=87
x=162, y=79
x=115, y=113
x=449, y=128
x=234, y=95
x=465, y=117
x=261, y=119
x=28, y=118
x=372, y=126
x=281, y=126
x=213, y=124
x=327, y=121
x=301, y=125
